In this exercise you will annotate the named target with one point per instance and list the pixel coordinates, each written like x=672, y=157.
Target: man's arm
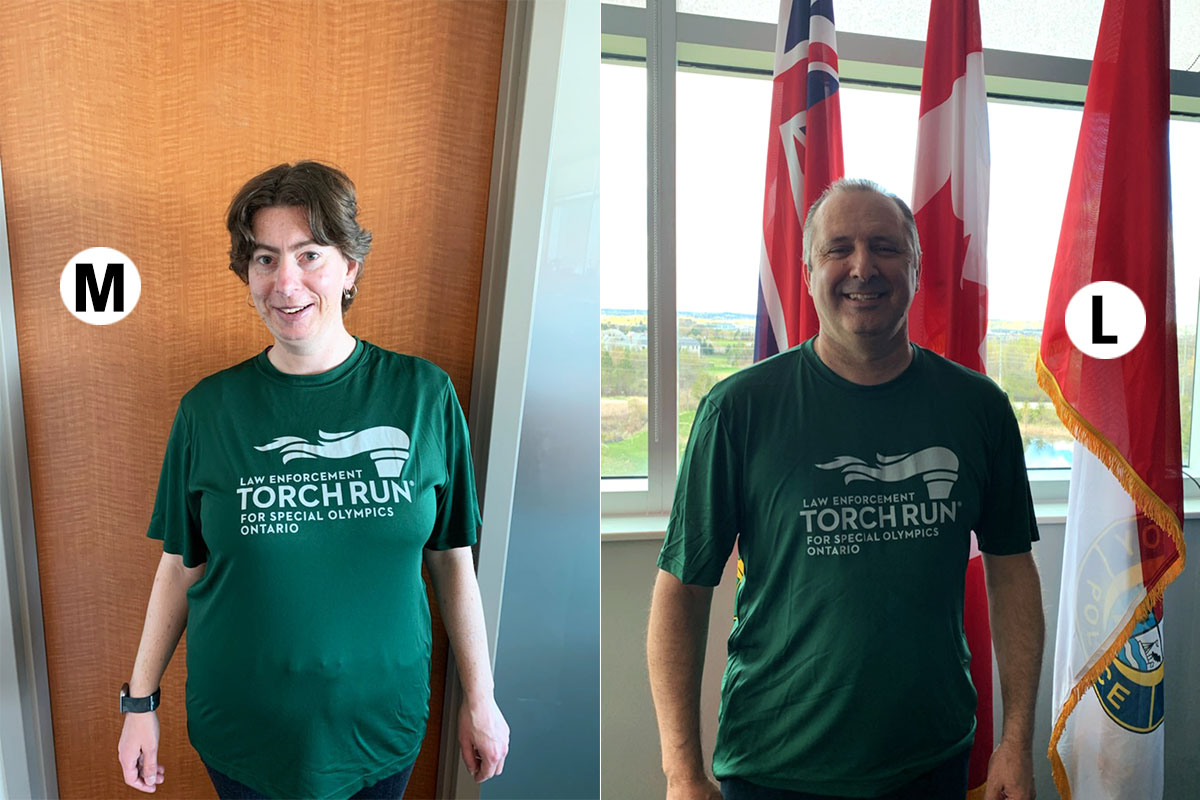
x=1018, y=629
x=482, y=731
x=166, y=617
x=675, y=652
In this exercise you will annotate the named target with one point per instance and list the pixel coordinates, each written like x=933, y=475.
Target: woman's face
x=296, y=283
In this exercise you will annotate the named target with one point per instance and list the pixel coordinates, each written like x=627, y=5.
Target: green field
x=627, y=457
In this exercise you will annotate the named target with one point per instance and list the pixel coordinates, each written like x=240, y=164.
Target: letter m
x=85, y=284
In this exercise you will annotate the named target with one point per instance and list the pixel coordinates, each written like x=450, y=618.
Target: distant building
x=611, y=337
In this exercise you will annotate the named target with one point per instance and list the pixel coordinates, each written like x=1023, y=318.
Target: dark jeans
x=390, y=788
x=947, y=781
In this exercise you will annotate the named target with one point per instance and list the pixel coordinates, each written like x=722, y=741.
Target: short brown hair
x=323, y=191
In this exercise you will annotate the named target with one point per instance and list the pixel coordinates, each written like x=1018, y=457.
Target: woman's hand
x=137, y=751
x=482, y=731
x=483, y=737
x=166, y=618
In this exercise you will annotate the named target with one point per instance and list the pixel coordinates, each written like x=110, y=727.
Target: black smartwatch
x=138, y=705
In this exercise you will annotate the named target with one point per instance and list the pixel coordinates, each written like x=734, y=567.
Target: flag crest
x=1124, y=533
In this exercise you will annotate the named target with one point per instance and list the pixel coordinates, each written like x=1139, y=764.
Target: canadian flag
x=949, y=312
x=950, y=188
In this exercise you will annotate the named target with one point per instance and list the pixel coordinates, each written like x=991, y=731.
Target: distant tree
x=1187, y=367
x=1012, y=362
x=623, y=373
x=694, y=379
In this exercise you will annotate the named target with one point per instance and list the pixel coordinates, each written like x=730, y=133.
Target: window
x=624, y=406
x=1065, y=28
x=721, y=112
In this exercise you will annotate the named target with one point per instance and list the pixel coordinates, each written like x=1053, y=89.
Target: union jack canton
x=804, y=156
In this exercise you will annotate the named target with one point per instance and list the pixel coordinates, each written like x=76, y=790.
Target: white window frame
x=664, y=41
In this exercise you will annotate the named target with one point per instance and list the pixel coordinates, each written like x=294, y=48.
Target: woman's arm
x=166, y=617
x=482, y=731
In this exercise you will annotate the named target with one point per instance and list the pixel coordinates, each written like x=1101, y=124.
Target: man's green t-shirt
x=852, y=508
x=311, y=499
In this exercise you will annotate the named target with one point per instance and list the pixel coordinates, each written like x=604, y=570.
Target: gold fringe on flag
x=1149, y=503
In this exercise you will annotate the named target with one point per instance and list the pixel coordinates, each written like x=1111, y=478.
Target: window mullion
x=1192, y=448
x=661, y=319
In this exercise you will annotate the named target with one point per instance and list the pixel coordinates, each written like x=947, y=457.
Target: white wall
x=629, y=743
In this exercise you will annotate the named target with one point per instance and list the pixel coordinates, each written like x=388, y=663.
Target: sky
x=721, y=139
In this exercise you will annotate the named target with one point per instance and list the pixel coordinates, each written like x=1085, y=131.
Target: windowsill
x=652, y=527
x=632, y=527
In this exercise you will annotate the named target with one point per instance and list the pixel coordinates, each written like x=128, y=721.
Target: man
x=851, y=471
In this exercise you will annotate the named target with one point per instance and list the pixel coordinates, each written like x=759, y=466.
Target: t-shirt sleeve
x=457, y=520
x=1007, y=522
x=176, y=517
x=705, y=517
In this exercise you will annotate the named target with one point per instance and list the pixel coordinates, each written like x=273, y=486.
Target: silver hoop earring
x=351, y=293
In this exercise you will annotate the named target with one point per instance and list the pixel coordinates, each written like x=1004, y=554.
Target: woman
x=299, y=491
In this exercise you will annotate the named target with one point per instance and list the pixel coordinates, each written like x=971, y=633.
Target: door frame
x=27, y=766
x=529, y=85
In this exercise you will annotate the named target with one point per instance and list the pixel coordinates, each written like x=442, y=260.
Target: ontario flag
x=1124, y=539
x=949, y=313
x=804, y=156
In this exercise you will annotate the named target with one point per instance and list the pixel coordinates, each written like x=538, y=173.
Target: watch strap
x=139, y=705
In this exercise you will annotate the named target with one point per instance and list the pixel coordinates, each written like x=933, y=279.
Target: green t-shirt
x=311, y=498
x=852, y=508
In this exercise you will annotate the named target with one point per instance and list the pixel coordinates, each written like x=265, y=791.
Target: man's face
x=863, y=278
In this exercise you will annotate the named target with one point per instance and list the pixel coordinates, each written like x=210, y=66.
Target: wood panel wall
x=130, y=125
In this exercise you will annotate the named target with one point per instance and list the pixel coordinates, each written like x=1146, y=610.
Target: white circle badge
x=1105, y=319
x=100, y=286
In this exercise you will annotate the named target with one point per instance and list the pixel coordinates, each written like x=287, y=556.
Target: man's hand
x=483, y=737
x=1010, y=773
x=675, y=657
x=1018, y=628
x=137, y=751
x=697, y=789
